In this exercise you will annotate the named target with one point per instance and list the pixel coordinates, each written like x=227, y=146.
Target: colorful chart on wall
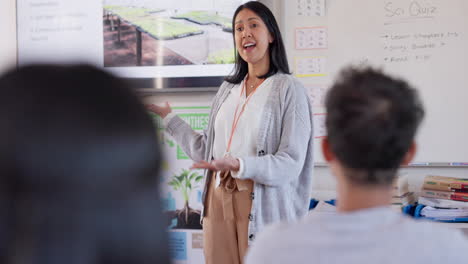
x=154, y=43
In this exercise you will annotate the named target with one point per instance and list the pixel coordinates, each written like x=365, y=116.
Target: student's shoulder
x=280, y=239
x=269, y=242
x=437, y=235
x=283, y=231
x=271, y=233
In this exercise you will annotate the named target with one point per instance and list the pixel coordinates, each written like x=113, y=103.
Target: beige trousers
x=226, y=220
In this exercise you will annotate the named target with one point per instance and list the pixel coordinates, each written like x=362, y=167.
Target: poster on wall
x=182, y=188
x=153, y=43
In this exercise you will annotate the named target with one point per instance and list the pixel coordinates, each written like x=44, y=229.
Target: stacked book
x=401, y=194
x=445, y=198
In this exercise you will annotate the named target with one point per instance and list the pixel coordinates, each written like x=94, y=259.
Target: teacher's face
x=252, y=37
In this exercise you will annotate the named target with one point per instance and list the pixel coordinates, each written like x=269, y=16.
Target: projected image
x=160, y=33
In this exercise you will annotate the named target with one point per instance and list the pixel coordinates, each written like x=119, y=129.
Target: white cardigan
x=283, y=165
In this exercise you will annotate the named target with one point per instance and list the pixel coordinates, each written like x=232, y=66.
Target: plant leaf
x=193, y=175
x=199, y=178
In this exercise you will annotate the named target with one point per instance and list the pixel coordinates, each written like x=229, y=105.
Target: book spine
x=456, y=196
x=436, y=194
x=445, y=186
x=437, y=187
x=460, y=197
x=459, y=186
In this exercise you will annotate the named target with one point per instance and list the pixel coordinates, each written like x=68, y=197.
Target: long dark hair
x=79, y=166
x=277, y=52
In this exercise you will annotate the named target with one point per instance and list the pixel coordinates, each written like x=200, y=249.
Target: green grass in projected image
x=149, y=22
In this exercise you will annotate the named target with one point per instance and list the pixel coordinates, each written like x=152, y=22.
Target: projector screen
x=154, y=44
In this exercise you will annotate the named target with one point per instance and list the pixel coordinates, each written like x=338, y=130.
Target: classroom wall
x=323, y=181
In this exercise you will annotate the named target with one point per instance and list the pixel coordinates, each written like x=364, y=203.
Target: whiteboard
x=8, y=29
x=424, y=42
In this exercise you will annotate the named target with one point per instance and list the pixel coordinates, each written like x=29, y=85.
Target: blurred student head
x=79, y=168
x=371, y=123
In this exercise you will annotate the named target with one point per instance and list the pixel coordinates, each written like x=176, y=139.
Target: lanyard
x=235, y=121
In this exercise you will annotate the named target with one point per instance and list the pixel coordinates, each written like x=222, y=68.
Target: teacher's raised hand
x=161, y=111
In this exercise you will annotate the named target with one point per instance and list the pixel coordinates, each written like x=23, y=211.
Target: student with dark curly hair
x=371, y=123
